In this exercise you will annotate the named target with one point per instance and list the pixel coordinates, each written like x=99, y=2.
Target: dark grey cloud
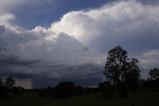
x=39, y=54
x=8, y=61
x=85, y=75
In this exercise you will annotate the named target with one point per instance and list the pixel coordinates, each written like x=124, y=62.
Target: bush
x=106, y=89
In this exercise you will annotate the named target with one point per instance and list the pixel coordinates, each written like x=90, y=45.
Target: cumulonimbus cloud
x=71, y=48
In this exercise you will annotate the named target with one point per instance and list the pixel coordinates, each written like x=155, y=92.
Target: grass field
x=140, y=99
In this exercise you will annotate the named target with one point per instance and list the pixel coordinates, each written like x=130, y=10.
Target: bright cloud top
x=122, y=23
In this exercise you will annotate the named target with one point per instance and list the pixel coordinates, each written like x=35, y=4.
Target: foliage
x=154, y=73
x=10, y=82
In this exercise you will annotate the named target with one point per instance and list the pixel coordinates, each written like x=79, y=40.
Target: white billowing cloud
x=123, y=22
x=40, y=29
x=129, y=23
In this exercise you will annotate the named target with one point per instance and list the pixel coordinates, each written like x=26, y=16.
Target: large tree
x=121, y=70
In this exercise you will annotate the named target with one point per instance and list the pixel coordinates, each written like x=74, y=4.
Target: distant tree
x=1, y=83
x=154, y=73
x=154, y=78
x=79, y=90
x=17, y=90
x=120, y=69
x=10, y=82
x=64, y=89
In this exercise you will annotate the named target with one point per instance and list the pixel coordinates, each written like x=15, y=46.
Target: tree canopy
x=10, y=82
x=154, y=73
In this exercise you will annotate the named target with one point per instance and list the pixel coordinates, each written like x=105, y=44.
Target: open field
x=140, y=99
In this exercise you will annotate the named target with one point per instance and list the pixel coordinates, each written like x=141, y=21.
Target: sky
x=43, y=43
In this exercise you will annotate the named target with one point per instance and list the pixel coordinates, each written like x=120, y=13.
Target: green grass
x=140, y=99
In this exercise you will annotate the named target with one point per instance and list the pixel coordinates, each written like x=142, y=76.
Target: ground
x=139, y=99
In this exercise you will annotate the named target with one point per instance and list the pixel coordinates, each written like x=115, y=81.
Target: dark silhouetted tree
x=79, y=90
x=64, y=89
x=1, y=83
x=106, y=89
x=17, y=90
x=120, y=69
x=10, y=82
x=154, y=73
x=153, y=81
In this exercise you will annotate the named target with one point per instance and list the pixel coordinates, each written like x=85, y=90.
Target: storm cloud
x=74, y=48
x=43, y=55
